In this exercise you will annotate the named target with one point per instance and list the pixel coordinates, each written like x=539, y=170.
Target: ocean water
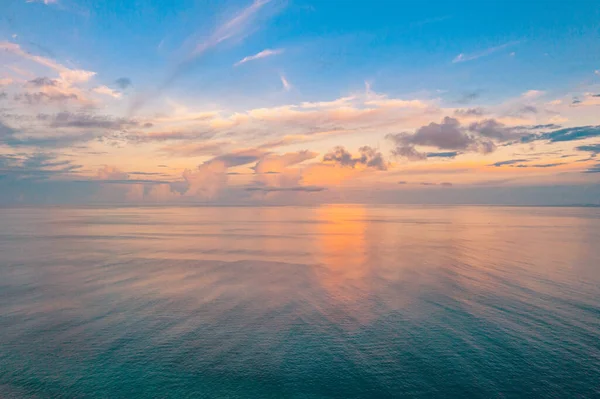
x=300, y=302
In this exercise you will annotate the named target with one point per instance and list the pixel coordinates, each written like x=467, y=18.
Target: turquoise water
x=327, y=302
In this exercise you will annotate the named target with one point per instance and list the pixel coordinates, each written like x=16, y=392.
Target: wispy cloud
x=531, y=94
x=286, y=85
x=107, y=91
x=262, y=54
x=67, y=74
x=462, y=57
x=233, y=28
x=47, y=2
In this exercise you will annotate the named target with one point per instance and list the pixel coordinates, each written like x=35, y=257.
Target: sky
x=299, y=102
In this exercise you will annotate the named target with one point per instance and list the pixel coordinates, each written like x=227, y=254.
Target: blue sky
x=115, y=88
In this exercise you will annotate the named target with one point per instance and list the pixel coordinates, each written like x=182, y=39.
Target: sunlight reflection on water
x=333, y=301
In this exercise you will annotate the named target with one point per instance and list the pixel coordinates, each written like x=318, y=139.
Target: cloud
x=46, y=2
x=44, y=98
x=263, y=54
x=594, y=169
x=83, y=120
x=369, y=157
x=397, y=103
x=42, y=82
x=277, y=163
x=238, y=158
x=67, y=74
x=593, y=148
x=491, y=128
x=566, y=134
x=286, y=85
x=231, y=29
x=409, y=152
x=206, y=181
x=5, y=81
x=468, y=97
x=597, y=72
x=35, y=166
x=123, y=83
x=107, y=91
x=448, y=135
x=307, y=189
x=470, y=112
x=528, y=109
x=108, y=172
x=64, y=87
x=462, y=57
x=544, y=165
x=447, y=154
x=194, y=149
x=508, y=162
x=532, y=94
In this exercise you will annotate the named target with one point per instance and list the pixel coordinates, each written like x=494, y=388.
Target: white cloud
x=231, y=28
x=397, y=103
x=67, y=74
x=107, y=91
x=262, y=54
x=462, y=57
x=531, y=94
x=286, y=85
x=47, y=2
x=597, y=72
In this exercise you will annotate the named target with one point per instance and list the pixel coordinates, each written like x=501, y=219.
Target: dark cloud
x=82, y=120
x=528, y=109
x=566, y=134
x=508, y=162
x=402, y=182
x=538, y=127
x=369, y=157
x=42, y=82
x=470, y=112
x=147, y=173
x=426, y=183
x=447, y=154
x=147, y=137
x=469, y=96
x=239, y=158
x=492, y=129
x=307, y=189
x=448, y=135
x=123, y=181
x=594, y=169
x=3, y=95
x=12, y=138
x=446, y=184
x=545, y=165
x=123, y=83
x=40, y=98
x=593, y=148
x=48, y=141
x=38, y=166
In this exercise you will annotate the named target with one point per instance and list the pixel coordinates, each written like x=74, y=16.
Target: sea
x=333, y=301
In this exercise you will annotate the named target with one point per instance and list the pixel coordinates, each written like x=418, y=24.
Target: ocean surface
x=300, y=302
